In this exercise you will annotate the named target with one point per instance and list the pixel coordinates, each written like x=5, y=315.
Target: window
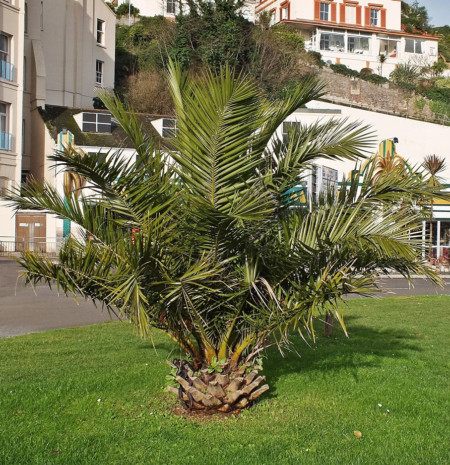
x=5, y=137
x=332, y=42
x=99, y=72
x=285, y=12
x=25, y=18
x=350, y=14
x=42, y=16
x=389, y=47
x=374, y=17
x=4, y=47
x=324, y=11
x=358, y=45
x=169, y=127
x=97, y=122
x=414, y=46
x=100, y=32
x=329, y=179
x=171, y=7
x=288, y=128
x=6, y=68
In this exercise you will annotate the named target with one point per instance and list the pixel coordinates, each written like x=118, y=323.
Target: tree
x=207, y=246
x=212, y=32
x=126, y=9
x=415, y=17
x=382, y=58
x=433, y=166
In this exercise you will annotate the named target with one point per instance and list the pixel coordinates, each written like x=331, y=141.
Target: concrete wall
x=67, y=37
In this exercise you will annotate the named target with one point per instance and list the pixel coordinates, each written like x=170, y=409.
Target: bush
x=374, y=78
x=149, y=93
x=125, y=9
x=316, y=58
x=405, y=74
x=344, y=70
x=288, y=38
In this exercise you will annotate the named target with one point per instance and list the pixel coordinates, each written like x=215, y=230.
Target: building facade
x=170, y=8
x=52, y=52
x=11, y=102
x=354, y=32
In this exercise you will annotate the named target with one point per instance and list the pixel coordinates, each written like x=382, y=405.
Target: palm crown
x=199, y=240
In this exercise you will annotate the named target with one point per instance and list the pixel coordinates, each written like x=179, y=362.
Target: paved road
x=22, y=311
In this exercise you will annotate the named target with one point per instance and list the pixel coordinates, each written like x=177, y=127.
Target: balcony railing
x=6, y=141
x=6, y=70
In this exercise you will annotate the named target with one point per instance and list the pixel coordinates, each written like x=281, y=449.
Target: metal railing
x=5, y=141
x=6, y=70
x=11, y=247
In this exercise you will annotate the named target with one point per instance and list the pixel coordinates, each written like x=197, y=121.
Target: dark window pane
x=168, y=132
x=104, y=128
x=104, y=118
x=89, y=127
x=89, y=117
x=168, y=123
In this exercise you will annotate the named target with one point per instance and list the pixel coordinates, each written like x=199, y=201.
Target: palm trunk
x=328, y=327
x=230, y=390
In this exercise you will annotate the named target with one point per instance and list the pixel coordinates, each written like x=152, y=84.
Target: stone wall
x=385, y=98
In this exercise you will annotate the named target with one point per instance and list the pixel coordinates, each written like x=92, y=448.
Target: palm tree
x=219, y=259
x=433, y=166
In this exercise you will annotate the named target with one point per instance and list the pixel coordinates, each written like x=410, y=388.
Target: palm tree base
x=228, y=391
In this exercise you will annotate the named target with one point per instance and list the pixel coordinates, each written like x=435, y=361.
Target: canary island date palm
x=199, y=239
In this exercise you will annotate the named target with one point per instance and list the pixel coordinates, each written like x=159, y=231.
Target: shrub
x=316, y=58
x=288, y=38
x=344, y=70
x=407, y=73
x=374, y=78
x=148, y=93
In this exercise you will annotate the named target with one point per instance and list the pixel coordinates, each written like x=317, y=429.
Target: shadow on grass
x=366, y=347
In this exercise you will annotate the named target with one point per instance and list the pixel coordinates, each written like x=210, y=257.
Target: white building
x=51, y=53
x=414, y=140
x=170, y=8
x=354, y=33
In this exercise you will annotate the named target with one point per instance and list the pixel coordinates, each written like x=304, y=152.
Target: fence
x=12, y=247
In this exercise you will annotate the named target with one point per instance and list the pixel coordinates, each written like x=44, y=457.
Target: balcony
x=5, y=141
x=6, y=70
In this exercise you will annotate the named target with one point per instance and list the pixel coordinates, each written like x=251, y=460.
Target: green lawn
x=95, y=395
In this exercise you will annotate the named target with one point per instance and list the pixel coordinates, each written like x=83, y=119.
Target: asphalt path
x=24, y=310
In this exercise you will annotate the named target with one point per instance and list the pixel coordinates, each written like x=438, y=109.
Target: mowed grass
x=95, y=395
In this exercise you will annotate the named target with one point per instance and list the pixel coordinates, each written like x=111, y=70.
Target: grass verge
x=95, y=395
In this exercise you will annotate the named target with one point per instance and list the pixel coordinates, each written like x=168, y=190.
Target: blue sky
x=438, y=11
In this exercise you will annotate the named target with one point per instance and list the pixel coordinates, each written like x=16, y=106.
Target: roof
x=59, y=118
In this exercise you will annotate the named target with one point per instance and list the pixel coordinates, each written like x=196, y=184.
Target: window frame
x=95, y=121
x=322, y=13
x=99, y=72
x=173, y=4
x=415, y=42
x=168, y=130
x=350, y=7
x=101, y=29
x=5, y=136
x=5, y=53
x=375, y=17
